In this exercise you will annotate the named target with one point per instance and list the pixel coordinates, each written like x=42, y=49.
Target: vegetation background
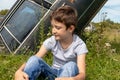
x=102, y=62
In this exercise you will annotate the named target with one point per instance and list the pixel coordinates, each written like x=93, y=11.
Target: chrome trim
x=5, y=43
x=12, y=35
x=86, y=10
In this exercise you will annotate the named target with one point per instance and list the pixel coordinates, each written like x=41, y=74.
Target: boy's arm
x=42, y=51
x=81, y=66
x=19, y=74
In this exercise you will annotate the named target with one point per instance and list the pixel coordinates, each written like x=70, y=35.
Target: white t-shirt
x=62, y=56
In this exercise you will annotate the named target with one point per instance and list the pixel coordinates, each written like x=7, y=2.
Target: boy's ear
x=71, y=28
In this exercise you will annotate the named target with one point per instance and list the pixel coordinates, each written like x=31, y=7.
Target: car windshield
x=21, y=23
x=24, y=20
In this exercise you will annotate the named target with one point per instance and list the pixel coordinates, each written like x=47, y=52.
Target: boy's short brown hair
x=66, y=15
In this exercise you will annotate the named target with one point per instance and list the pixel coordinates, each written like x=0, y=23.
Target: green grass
x=9, y=64
x=101, y=62
x=99, y=66
x=116, y=46
x=103, y=67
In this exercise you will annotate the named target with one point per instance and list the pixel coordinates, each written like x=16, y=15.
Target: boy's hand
x=20, y=75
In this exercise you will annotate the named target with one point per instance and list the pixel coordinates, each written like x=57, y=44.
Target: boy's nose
x=53, y=31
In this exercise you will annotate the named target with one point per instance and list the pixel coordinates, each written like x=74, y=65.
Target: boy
x=68, y=50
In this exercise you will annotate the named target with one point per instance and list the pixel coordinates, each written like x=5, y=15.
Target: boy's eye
x=57, y=27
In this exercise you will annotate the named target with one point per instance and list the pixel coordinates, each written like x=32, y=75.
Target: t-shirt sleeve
x=81, y=49
x=49, y=43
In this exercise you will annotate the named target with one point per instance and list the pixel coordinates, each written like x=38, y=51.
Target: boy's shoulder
x=77, y=38
x=79, y=45
x=51, y=40
x=49, y=43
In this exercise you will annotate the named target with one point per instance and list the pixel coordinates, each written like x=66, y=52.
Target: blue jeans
x=36, y=66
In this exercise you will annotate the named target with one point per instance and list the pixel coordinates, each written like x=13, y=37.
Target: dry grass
x=112, y=34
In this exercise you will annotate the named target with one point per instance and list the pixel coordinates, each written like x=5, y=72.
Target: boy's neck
x=65, y=43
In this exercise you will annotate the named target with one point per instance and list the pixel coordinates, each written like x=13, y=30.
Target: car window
x=21, y=23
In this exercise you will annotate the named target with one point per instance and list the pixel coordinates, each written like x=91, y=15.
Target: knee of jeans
x=32, y=62
x=34, y=59
x=32, y=67
x=70, y=65
x=68, y=70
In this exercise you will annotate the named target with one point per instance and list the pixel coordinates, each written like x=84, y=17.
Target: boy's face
x=59, y=30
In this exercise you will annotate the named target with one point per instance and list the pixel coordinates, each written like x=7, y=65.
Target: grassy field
x=9, y=64
x=104, y=66
x=112, y=34
x=102, y=62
